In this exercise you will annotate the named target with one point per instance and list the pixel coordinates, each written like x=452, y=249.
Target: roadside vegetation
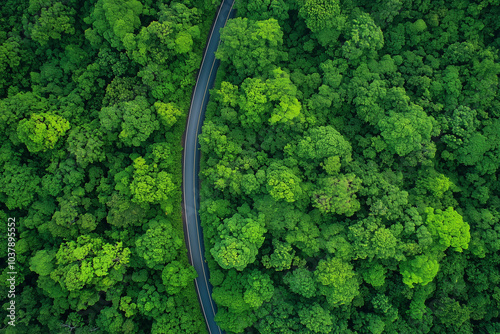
x=351, y=155
x=93, y=100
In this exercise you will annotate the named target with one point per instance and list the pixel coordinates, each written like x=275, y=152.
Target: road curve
x=191, y=167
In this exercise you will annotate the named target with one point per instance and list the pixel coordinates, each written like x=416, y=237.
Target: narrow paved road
x=191, y=167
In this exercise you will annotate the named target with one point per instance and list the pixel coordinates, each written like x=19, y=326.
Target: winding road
x=191, y=167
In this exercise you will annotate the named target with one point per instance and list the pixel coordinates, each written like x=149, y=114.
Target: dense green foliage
x=93, y=99
x=351, y=155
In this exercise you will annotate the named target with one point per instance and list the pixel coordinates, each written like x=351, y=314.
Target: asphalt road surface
x=191, y=167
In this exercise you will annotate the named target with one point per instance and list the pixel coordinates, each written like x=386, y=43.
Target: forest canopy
x=351, y=156
x=349, y=174
x=93, y=101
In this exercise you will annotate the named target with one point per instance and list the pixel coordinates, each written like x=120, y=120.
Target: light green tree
x=177, y=276
x=258, y=289
x=251, y=46
x=90, y=261
x=52, y=18
x=42, y=131
x=448, y=229
x=113, y=20
x=364, y=37
x=337, y=195
x=151, y=185
x=42, y=263
x=323, y=142
x=139, y=122
x=337, y=281
x=167, y=113
x=160, y=244
x=316, y=318
x=301, y=281
x=282, y=183
x=408, y=132
x=420, y=270
x=281, y=258
x=240, y=241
